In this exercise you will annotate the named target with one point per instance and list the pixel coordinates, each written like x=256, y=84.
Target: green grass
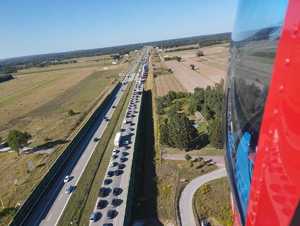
x=83, y=199
x=212, y=201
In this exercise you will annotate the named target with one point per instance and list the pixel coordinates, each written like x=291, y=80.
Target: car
x=114, y=156
x=114, y=164
x=108, y=181
x=104, y=191
x=108, y=224
x=117, y=191
x=119, y=172
x=110, y=173
x=70, y=189
x=111, y=214
x=95, y=216
x=124, y=159
x=67, y=178
x=125, y=153
x=96, y=139
x=121, y=166
x=116, y=151
x=102, y=204
x=116, y=202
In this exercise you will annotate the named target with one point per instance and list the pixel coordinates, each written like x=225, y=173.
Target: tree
x=199, y=53
x=216, y=134
x=17, y=139
x=181, y=131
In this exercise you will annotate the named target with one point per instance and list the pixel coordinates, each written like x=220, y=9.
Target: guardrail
x=61, y=160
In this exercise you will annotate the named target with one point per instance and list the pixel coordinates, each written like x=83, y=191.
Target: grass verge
x=78, y=208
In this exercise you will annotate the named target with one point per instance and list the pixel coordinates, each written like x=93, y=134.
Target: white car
x=67, y=178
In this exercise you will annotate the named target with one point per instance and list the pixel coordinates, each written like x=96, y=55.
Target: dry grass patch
x=166, y=83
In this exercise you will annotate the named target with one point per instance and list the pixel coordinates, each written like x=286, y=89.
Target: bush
x=199, y=53
x=187, y=157
x=71, y=112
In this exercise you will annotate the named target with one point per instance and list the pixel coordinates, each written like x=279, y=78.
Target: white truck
x=117, y=139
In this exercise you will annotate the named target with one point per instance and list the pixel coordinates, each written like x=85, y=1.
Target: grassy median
x=84, y=198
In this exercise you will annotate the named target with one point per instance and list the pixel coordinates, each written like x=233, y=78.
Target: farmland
x=38, y=101
x=209, y=69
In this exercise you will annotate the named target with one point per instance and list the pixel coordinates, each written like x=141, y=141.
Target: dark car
x=114, y=164
x=108, y=224
x=124, y=159
x=116, y=202
x=121, y=166
x=115, y=156
x=96, y=139
x=111, y=214
x=119, y=172
x=95, y=216
x=104, y=191
x=102, y=204
x=117, y=191
x=108, y=181
x=125, y=153
x=110, y=173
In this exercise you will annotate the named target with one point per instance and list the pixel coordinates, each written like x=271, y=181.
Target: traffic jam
x=110, y=208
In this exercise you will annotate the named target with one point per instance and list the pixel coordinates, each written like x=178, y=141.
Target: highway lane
x=186, y=198
x=51, y=206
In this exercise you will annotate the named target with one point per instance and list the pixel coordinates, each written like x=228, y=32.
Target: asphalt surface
x=51, y=206
x=186, y=198
x=125, y=151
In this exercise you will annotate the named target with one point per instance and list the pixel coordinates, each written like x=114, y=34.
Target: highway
x=51, y=206
x=186, y=198
x=111, y=207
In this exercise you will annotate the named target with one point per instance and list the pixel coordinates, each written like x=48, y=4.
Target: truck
x=117, y=139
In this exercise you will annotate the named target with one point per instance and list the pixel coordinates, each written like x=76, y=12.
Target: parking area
x=110, y=208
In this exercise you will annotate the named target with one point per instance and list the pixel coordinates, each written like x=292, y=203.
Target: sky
x=30, y=27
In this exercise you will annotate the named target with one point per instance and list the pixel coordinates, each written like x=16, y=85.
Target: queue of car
x=109, y=197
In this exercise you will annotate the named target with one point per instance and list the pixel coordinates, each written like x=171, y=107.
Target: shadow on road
x=145, y=203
